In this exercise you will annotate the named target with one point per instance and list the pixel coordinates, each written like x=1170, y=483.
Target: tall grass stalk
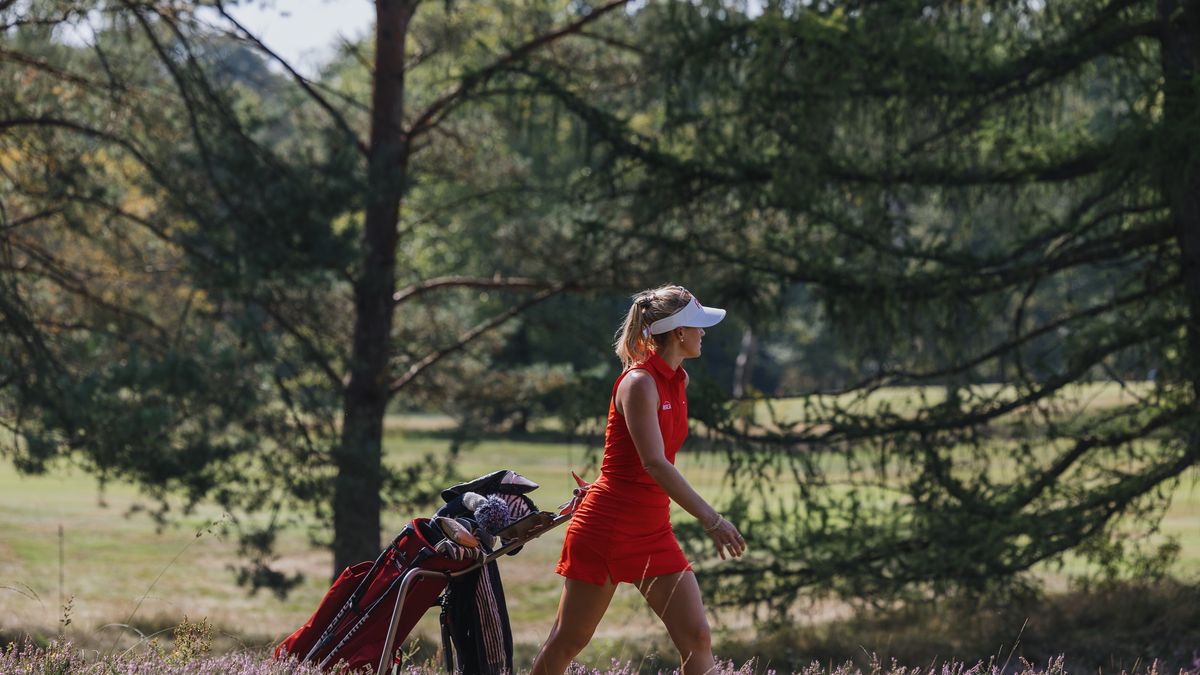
x=129, y=619
x=61, y=658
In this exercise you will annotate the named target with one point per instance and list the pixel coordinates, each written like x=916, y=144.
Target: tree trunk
x=356, y=500
x=743, y=366
x=1181, y=176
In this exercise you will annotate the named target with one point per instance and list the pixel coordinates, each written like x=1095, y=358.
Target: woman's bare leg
x=580, y=609
x=675, y=598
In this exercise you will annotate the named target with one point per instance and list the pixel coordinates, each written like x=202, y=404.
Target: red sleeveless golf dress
x=622, y=529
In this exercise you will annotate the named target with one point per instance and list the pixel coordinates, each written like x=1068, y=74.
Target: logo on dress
x=667, y=405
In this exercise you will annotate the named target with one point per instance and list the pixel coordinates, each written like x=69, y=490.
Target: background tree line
x=218, y=275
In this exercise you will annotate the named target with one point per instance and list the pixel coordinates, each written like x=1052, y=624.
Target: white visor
x=693, y=315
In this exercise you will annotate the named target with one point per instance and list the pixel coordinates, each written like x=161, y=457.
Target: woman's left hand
x=727, y=538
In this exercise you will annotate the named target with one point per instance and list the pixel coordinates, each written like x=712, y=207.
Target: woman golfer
x=621, y=530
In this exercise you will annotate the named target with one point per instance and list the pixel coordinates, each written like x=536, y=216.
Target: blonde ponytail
x=634, y=343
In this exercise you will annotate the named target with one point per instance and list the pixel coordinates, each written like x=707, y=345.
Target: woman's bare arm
x=637, y=401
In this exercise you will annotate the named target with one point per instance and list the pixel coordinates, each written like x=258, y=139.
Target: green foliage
x=982, y=197
x=167, y=266
x=185, y=255
x=192, y=640
x=992, y=201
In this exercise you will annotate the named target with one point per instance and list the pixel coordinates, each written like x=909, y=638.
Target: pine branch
x=1084, y=162
x=896, y=559
x=1047, y=66
x=854, y=428
x=323, y=361
x=888, y=377
x=1025, y=494
x=436, y=111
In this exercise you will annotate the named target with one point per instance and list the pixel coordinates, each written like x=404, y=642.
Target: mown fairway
x=111, y=559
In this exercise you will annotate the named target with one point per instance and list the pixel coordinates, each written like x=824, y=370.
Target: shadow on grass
x=142, y=630
x=1132, y=627
x=1108, y=630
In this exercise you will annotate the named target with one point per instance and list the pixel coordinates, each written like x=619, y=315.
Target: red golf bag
x=373, y=606
x=352, y=621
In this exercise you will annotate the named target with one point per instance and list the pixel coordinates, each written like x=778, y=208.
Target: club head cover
x=457, y=552
x=472, y=500
x=456, y=533
x=492, y=514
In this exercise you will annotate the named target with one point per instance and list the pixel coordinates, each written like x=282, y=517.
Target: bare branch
x=53, y=70
x=509, y=283
x=83, y=129
x=320, y=100
x=438, y=109
x=57, y=272
x=31, y=218
x=480, y=329
x=321, y=359
x=50, y=21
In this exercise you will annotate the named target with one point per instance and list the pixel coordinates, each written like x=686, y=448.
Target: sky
x=305, y=32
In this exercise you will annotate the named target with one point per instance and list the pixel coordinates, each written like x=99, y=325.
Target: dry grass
x=110, y=561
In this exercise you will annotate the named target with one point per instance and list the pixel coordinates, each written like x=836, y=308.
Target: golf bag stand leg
x=389, y=644
x=447, y=632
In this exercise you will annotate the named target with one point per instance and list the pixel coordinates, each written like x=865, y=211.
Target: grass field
x=111, y=559
x=117, y=570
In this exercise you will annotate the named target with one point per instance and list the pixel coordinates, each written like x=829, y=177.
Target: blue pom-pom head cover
x=492, y=514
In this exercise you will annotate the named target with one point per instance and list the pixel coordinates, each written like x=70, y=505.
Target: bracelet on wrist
x=716, y=523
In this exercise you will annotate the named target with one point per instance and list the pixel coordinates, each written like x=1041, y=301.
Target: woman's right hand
x=727, y=538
